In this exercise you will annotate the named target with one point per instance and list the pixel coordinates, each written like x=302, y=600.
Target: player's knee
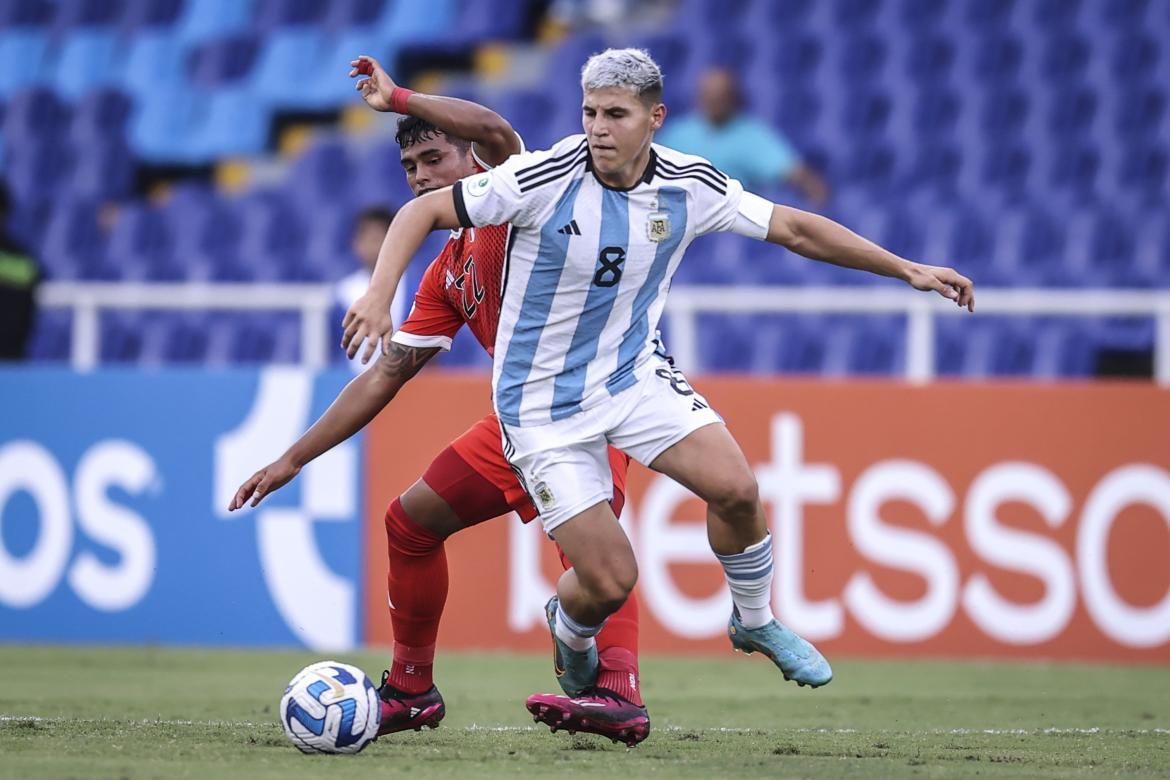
x=738, y=499
x=611, y=587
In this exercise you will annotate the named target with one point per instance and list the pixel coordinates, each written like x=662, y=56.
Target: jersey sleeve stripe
x=664, y=174
x=524, y=172
x=421, y=342
x=551, y=174
x=460, y=206
x=693, y=167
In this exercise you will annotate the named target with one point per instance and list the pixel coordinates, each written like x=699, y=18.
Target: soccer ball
x=331, y=707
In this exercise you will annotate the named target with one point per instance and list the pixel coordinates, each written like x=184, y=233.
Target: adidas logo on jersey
x=570, y=229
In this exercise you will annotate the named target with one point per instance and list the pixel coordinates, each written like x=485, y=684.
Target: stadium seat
x=24, y=54
x=235, y=124
x=100, y=116
x=138, y=15
x=268, y=15
x=88, y=59
x=289, y=60
x=156, y=61
x=51, y=337
x=203, y=20
x=223, y=61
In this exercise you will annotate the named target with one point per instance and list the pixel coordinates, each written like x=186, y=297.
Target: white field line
x=720, y=730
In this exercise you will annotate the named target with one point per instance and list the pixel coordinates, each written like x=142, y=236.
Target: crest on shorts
x=658, y=226
x=544, y=495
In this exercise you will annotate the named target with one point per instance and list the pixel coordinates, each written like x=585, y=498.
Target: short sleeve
x=493, y=197
x=432, y=321
x=735, y=211
x=515, y=191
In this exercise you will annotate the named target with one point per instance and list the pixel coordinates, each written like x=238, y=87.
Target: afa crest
x=658, y=227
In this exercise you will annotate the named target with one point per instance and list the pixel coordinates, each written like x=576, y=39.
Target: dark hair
x=383, y=214
x=412, y=130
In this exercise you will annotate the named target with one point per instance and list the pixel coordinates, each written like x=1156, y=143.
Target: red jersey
x=461, y=285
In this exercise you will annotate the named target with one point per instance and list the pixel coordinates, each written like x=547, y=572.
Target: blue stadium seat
x=288, y=60
x=35, y=116
x=100, y=116
x=271, y=14
x=141, y=242
x=88, y=59
x=164, y=124
x=140, y=14
x=156, y=61
x=206, y=19
x=345, y=14
x=329, y=85
x=51, y=336
x=26, y=13
x=227, y=60
x=73, y=241
x=235, y=124
x=103, y=170
x=87, y=13
x=38, y=173
x=412, y=20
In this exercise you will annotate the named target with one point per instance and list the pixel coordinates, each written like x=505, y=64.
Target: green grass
x=150, y=712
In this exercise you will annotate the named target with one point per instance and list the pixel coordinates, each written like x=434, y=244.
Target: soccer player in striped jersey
x=470, y=482
x=599, y=224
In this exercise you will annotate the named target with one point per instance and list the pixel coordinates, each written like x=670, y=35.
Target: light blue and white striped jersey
x=589, y=266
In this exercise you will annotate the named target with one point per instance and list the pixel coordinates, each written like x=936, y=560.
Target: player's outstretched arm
x=820, y=238
x=494, y=139
x=358, y=403
x=368, y=319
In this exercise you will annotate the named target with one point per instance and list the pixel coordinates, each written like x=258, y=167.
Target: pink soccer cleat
x=405, y=711
x=597, y=711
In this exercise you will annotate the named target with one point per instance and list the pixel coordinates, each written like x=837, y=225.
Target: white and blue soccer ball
x=331, y=707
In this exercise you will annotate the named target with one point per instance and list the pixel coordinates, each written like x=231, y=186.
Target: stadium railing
x=314, y=302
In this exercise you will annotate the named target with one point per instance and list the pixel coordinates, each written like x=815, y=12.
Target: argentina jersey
x=589, y=266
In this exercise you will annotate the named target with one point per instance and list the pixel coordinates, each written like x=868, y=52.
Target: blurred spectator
x=740, y=145
x=19, y=276
x=368, y=232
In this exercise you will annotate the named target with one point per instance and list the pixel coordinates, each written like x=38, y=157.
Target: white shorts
x=564, y=464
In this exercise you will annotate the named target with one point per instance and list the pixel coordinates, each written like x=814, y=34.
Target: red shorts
x=475, y=479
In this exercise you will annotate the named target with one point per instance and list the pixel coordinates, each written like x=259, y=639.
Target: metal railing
x=313, y=302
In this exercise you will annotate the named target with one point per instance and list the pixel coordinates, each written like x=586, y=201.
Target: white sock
x=572, y=633
x=749, y=575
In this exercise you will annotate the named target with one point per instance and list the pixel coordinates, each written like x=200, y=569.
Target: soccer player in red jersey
x=442, y=141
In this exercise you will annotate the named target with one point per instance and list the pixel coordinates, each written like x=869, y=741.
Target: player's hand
x=947, y=282
x=272, y=477
x=367, y=320
x=378, y=85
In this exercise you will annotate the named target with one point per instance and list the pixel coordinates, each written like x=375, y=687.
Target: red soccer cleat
x=405, y=711
x=598, y=712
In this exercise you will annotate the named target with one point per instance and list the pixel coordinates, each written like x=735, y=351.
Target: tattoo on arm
x=403, y=362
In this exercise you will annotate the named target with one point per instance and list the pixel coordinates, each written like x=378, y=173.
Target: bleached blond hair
x=632, y=69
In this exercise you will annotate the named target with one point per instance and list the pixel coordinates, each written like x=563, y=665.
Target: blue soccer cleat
x=576, y=670
x=797, y=659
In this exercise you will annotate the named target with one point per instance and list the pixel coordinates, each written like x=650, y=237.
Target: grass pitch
x=149, y=712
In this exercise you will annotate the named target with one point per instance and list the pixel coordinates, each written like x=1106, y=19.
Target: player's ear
x=657, y=116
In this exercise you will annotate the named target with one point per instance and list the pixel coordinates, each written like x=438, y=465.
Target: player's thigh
x=598, y=547
x=667, y=424
x=456, y=492
x=564, y=466
x=709, y=463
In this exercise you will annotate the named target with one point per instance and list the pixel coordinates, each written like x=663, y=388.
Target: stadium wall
x=946, y=520
x=1015, y=520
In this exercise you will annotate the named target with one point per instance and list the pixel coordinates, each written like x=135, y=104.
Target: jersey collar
x=647, y=175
